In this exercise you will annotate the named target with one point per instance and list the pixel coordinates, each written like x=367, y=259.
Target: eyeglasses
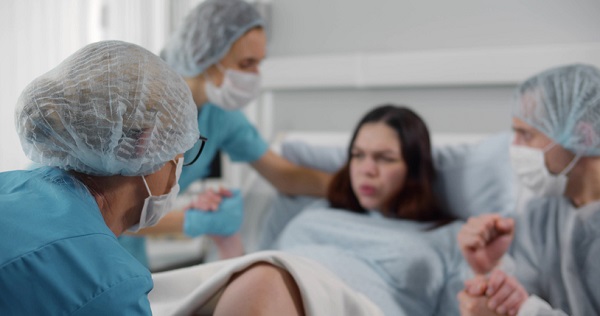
x=199, y=144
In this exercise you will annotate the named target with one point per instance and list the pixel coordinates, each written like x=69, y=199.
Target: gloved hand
x=225, y=221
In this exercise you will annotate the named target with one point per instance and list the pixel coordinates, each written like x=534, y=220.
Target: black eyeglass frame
x=203, y=140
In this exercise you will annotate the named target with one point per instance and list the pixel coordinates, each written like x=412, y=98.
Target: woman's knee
x=264, y=287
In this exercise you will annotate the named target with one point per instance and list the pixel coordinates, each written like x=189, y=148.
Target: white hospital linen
x=557, y=252
x=195, y=290
x=400, y=265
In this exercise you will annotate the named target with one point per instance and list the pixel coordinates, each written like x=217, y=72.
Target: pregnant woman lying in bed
x=380, y=244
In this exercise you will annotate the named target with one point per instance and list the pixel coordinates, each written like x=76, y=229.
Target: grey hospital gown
x=557, y=255
x=401, y=266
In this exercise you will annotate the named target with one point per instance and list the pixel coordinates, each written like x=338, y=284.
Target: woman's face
x=245, y=55
x=377, y=169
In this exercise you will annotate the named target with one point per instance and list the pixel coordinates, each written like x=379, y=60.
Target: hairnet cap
x=564, y=104
x=207, y=34
x=110, y=108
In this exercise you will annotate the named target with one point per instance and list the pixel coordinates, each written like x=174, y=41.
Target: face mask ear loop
x=147, y=188
x=571, y=165
x=220, y=68
x=207, y=78
x=548, y=147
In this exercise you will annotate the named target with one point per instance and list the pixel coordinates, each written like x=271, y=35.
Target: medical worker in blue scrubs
x=218, y=50
x=109, y=124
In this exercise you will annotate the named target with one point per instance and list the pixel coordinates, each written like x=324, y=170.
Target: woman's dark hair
x=416, y=199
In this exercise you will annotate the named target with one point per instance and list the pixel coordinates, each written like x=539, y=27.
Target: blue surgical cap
x=111, y=108
x=564, y=104
x=207, y=34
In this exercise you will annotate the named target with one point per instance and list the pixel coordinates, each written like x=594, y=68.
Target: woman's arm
x=290, y=178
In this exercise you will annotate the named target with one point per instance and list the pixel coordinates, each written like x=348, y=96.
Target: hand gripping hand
x=484, y=239
x=225, y=221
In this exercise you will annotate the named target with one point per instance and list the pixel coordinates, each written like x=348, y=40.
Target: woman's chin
x=369, y=204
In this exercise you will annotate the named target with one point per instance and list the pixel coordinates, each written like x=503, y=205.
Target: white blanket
x=195, y=290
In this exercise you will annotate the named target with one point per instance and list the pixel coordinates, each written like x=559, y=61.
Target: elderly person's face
x=556, y=158
x=164, y=179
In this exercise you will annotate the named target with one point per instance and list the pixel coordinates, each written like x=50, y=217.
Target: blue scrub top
x=57, y=256
x=227, y=131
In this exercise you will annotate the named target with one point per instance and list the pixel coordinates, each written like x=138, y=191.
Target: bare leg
x=262, y=289
x=229, y=247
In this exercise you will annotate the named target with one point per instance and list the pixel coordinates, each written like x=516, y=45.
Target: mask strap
x=207, y=78
x=548, y=147
x=146, y=183
x=220, y=67
x=571, y=165
x=147, y=188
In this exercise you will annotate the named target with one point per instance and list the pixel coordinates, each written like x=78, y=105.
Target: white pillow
x=476, y=178
x=321, y=157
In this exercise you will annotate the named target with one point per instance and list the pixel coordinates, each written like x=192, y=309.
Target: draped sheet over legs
x=197, y=289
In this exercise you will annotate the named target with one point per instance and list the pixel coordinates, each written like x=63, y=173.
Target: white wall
x=36, y=35
x=334, y=29
x=339, y=26
x=457, y=110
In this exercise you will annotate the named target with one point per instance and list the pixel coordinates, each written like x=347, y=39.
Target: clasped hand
x=483, y=241
x=214, y=213
x=496, y=294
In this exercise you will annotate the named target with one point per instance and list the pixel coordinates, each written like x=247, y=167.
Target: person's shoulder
x=542, y=213
x=84, y=268
x=123, y=284
x=91, y=251
x=213, y=112
x=122, y=288
x=43, y=176
x=129, y=297
x=103, y=262
x=545, y=206
x=12, y=180
x=44, y=206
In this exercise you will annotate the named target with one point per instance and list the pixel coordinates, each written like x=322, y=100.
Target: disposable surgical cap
x=207, y=34
x=111, y=108
x=564, y=104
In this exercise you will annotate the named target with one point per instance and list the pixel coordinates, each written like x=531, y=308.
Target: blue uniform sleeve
x=227, y=131
x=231, y=132
x=85, y=275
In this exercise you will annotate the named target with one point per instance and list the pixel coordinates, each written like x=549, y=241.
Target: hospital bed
x=474, y=177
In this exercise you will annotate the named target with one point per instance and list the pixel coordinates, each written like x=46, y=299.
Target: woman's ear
x=214, y=75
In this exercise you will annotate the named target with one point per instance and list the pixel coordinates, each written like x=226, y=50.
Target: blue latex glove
x=225, y=221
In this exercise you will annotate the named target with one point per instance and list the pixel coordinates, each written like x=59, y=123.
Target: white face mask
x=238, y=89
x=530, y=167
x=155, y=207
